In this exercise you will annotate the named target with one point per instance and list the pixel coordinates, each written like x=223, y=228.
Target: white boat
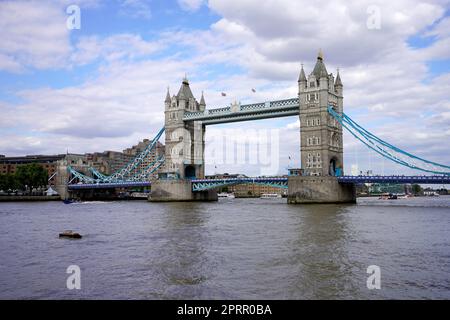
x=270, y=196
x=225, y=195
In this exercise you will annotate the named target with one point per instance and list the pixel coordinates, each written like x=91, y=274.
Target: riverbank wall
x=29, y=198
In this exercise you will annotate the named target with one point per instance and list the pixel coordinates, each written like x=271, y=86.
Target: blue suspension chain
x=346, y=121
x=130, y=167
x=391, y=146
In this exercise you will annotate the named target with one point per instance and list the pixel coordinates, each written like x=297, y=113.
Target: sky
x=102, y=86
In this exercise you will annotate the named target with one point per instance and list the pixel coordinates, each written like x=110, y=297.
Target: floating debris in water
x=70, y=234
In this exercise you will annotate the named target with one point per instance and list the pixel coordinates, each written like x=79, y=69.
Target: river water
x=232, y=249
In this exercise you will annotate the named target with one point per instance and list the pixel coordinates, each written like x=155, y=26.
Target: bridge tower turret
x=184, y=140
x=320, y=134
x=302, y=81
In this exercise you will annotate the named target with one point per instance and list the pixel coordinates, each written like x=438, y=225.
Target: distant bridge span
x=206, y=184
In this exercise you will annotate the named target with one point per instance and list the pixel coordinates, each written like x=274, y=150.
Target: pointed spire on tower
x=185, y=79
x=302, y=76
x=167, y=96
x=185, y=92
x=320, y=71
x=320, y=54
x=338, y=81
x=202, y=100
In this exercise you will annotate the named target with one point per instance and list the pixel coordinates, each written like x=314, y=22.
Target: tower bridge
x=319, y=105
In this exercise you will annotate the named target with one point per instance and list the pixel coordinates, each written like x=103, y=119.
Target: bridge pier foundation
x=319, y=189
x=62, y=178
x=178, y=190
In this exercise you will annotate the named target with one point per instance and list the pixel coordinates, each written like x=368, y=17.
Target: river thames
x=232, y=249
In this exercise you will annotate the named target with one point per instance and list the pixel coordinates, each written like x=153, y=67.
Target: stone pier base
x=62, y=177
x=178, y=190
x=317, y=189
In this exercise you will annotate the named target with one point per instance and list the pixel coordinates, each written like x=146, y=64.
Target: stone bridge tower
x=184, y=140
x=184, y=155
x=320, y=134
x=320, y=140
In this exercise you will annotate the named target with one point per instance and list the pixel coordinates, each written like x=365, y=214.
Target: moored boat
x=388, y=196
x=225, y=195
x=270, y=196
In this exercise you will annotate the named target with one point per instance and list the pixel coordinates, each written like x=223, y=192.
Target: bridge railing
x=207, y=184
x=435, y=179
x=253, y=106
x=262, y=106
x=218, y=111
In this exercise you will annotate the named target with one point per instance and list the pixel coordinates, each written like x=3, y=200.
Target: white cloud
x=190, y=5
x=9, y=64
x=115, y=47
x=33, y=34
x=136, y=8
x=288, y=31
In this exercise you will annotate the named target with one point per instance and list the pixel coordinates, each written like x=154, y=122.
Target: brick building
x=9, y=165
x=108, y=162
